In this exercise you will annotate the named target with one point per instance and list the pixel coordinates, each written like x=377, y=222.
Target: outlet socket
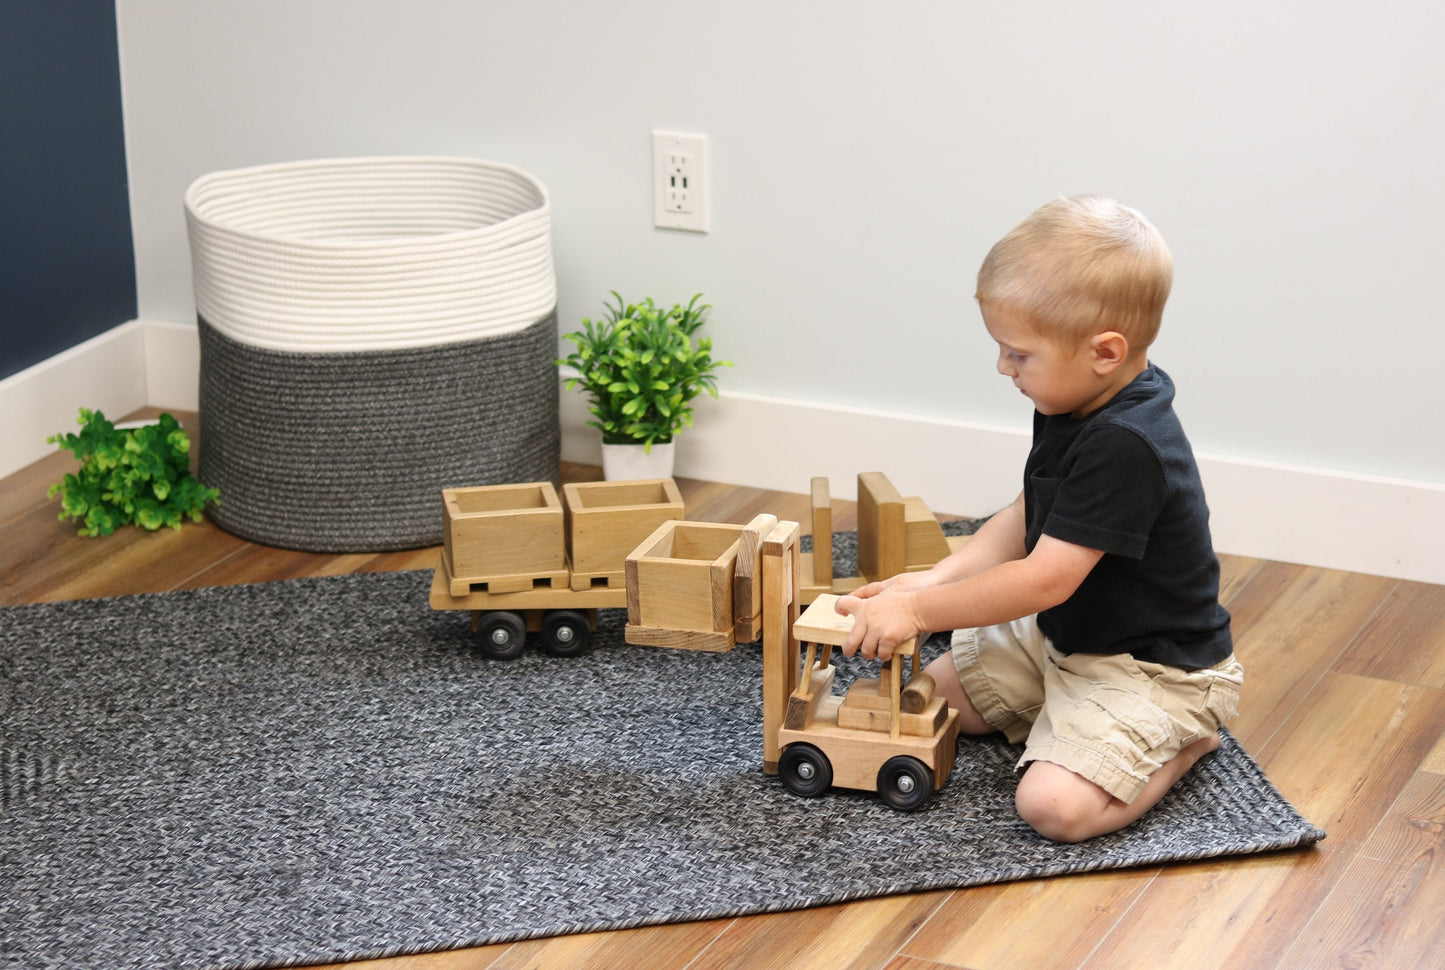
x=679, y=181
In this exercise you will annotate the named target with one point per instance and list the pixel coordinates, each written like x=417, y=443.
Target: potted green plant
x=640, y=368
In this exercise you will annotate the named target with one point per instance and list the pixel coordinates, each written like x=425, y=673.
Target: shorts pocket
x=1145, y=721
x=1221, y=701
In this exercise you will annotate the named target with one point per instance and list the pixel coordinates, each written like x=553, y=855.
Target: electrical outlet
x=679, y=181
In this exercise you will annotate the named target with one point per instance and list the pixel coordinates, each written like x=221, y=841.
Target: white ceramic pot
x=622, y=463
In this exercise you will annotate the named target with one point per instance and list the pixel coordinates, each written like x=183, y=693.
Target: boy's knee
x=1060, y=808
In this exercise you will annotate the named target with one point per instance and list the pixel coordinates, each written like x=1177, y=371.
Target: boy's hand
x=880, y=622
x=898, y=584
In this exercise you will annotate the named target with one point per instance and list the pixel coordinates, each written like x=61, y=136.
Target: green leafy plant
x=641, y=367
x=139, y=476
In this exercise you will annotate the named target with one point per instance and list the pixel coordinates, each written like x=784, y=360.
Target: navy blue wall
x=67, y=263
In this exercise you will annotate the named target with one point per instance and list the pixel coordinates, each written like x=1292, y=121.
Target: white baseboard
x=1300, y=515
x=173, y=366
x=105, y=373
x=1319, y=518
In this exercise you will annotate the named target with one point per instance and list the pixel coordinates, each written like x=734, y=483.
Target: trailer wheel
x=501, y=635
x=566, y=633
x=904, y=782
x=805, y=770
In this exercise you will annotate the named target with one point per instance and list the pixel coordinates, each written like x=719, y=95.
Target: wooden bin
x=607, y=520
x=680, y=586
x=509, y=537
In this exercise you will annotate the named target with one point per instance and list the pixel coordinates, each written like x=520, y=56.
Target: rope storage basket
x=372, y=330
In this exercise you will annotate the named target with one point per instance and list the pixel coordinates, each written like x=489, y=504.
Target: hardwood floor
x=1344, y=708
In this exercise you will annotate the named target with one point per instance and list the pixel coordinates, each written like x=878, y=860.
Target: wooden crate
x=607, y=520
x=507, y=536
x=680, y=586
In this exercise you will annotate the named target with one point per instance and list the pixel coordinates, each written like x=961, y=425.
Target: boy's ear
x=1110, y=349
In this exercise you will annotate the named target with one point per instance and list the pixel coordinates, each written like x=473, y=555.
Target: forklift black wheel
x=501, y=635
x=904, y=782
x=566, y=633
x=805, y=770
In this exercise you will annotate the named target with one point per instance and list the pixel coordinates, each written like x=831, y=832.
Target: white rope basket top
x=370, y=253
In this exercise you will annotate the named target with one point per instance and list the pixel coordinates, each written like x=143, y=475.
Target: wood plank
x=1406, y=641
x=1344, y=758
x=1373, y=735
x=858, y=935
x=983, y=928
x=647, y=948
x=1203, y=914
x=1385, y=910
x=1290, y=624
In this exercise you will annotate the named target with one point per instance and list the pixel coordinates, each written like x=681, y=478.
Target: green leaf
x=638, y=367
x=140, y=476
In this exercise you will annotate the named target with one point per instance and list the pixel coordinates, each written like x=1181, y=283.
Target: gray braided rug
x=323, y=769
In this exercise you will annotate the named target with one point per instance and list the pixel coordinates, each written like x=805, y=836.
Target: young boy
x=1087, y=613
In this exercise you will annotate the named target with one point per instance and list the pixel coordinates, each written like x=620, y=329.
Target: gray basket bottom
x=348, y=452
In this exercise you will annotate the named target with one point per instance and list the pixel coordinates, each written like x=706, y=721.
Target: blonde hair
x=1081, y=266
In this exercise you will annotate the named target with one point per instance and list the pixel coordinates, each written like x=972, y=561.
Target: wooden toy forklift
x=705, y=587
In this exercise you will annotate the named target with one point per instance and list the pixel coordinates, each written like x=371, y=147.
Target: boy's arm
x=998, y=540
x=1003, y=592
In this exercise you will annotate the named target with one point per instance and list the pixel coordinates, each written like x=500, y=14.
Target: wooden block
x=880, y=527
x=748, y=578
x=780, y=648
x=702, y=640
x=606, y=520
x=684, y=577
x=803, y=703
x=821, y=562
x=924, y=543
x=917, y=694
x=867, y=692
x=920, y=725
x=822, y=623
x=503, y=530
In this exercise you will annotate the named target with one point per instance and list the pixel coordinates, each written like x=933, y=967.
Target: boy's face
x=1059, y=379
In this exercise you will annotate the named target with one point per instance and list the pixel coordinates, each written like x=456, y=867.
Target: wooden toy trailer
x=522, y=560
x=708, y=589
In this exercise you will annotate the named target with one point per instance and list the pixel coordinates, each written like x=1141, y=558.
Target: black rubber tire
x=566, y=633
x=804, y=770
x=904, y=782
x=501, y=635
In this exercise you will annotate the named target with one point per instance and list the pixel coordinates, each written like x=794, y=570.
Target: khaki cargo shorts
x=1109, y=718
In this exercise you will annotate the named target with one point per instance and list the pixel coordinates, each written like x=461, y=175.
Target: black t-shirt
x=1123, y=480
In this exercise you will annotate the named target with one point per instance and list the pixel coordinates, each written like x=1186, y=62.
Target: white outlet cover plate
x=667, y=148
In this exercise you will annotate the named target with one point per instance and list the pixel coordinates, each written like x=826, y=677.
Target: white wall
x=865, y=155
